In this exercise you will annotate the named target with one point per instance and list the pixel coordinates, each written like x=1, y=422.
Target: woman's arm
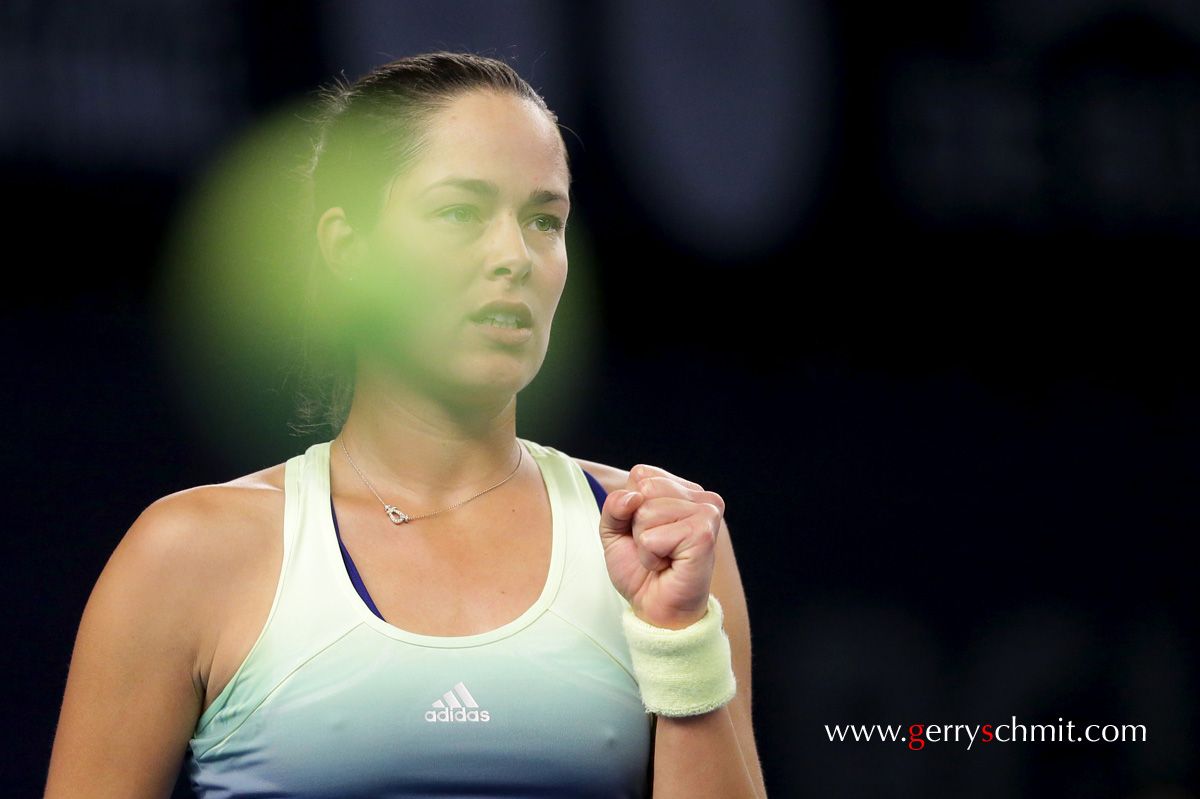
x=132, y=697
x=146, y=645
x=714, y=754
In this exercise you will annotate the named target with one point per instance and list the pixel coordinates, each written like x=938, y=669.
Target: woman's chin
x=485, y=386
x=483, y=380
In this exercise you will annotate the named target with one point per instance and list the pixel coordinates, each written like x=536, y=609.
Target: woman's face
x=467, y=262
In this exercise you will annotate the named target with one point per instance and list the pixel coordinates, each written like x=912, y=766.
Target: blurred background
x=906, y=283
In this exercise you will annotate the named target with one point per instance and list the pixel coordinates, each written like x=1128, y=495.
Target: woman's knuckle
x=704, y=534
x=712, y=513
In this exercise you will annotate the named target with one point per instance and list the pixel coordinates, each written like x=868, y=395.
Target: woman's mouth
x=505, y=322
x=502, y=320
x=504, y=314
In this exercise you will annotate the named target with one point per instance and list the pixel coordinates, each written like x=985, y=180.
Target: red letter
x=914, y=737
x=987, y=733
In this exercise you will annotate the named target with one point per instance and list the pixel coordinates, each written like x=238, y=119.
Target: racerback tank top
x=332, y=701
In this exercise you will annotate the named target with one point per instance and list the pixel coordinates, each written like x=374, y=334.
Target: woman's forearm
x=700, y=757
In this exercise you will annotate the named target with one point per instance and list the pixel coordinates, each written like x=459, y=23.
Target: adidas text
x=461, y=714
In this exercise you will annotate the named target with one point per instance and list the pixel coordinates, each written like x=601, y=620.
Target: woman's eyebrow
x=486, y=188
x=545, y=197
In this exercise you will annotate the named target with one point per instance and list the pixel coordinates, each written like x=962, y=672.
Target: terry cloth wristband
x=682, y=672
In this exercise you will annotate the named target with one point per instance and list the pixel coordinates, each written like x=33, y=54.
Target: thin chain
x=400, y=517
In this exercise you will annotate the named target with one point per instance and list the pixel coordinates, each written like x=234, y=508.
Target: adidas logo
x=449, y=708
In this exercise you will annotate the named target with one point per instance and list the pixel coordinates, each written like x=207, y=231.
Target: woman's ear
x=341, y=244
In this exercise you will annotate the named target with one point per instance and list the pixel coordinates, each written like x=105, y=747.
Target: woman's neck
x=406, y=441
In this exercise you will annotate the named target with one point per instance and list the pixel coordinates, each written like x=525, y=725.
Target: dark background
x=909, y=284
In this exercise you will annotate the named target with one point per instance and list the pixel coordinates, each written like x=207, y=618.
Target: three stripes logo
x=462, y=707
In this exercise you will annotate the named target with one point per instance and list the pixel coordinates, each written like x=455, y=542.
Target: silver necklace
x=400, y=517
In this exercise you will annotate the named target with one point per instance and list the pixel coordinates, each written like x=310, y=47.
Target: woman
x=465, y=639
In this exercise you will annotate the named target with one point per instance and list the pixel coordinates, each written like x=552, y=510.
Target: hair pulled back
x=373, y=129
x=368, y=133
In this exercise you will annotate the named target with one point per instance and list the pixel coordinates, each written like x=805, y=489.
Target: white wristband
x=682, y=672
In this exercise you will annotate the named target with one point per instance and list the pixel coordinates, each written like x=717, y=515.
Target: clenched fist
x=659, y=535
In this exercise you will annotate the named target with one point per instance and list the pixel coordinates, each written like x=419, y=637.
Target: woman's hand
x=659, y=535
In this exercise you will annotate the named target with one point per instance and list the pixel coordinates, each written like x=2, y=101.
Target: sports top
x=332, y=701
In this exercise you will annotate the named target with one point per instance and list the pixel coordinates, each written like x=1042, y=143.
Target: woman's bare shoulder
x=219, y=509
x=197, y=531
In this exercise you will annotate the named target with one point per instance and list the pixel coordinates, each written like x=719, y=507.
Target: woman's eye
x=547, y=224
x=459, y=213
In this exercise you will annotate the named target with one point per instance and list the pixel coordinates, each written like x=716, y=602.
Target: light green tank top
x=334, y=702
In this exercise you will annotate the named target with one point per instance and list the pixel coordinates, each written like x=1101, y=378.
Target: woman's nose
x=509, y=254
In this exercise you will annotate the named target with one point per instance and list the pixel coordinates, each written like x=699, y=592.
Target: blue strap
x=597, y=489
x=351, y=569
